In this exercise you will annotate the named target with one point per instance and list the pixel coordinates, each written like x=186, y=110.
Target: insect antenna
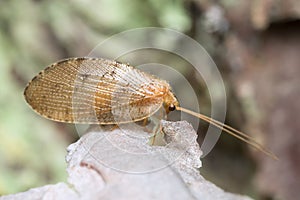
x=238, y=134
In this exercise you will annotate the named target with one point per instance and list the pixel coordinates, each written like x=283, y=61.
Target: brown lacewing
x=100, y=91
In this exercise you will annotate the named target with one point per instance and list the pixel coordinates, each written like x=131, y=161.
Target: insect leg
x=115, y=126
x=158, y=135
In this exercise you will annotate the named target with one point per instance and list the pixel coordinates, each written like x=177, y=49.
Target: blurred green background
x=255, y=44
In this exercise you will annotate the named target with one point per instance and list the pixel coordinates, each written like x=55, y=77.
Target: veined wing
x=94, y=91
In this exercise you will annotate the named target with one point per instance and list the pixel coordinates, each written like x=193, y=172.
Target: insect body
x=100, y=91
x=97, y=91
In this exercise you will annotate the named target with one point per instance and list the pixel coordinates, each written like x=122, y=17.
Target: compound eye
x=171, y=107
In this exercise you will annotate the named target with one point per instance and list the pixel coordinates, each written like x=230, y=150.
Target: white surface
x=120, y=164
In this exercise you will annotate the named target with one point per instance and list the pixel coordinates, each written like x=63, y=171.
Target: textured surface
x=120, y=165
